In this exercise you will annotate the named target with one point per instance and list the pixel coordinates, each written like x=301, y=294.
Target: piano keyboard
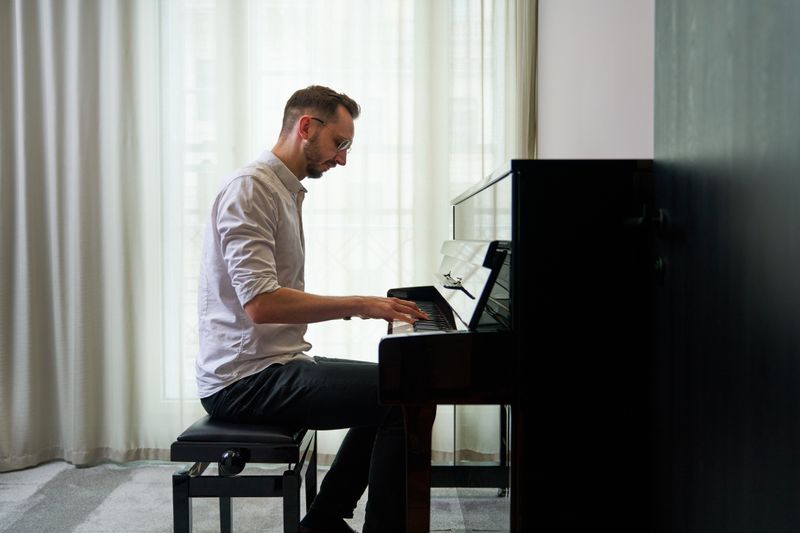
x=436, y=321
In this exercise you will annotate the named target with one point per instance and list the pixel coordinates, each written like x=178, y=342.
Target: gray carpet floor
x=137, y=497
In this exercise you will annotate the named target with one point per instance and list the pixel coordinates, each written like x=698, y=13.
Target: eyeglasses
x=345, y=145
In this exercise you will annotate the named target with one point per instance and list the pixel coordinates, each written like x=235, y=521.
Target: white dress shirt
x=253, y=244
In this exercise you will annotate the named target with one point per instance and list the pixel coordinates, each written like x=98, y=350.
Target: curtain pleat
x=77, y=332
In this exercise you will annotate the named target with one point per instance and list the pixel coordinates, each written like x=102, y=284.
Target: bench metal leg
x=225, y=515
x=181, y=503
x=291, y=501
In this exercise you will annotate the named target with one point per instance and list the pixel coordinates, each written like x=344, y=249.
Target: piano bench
x=232, y=446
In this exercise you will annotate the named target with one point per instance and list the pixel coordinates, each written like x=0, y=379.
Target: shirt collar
x=286, y=176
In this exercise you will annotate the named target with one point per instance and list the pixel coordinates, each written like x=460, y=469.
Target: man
x=253, y=312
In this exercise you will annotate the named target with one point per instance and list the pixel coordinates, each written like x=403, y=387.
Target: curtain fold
x=118, y=119
x=79, y=350
x=523, y=72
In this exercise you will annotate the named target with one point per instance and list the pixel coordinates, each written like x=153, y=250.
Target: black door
x=727, y=312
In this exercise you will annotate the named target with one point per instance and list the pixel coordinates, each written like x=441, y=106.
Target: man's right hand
x=391, y=309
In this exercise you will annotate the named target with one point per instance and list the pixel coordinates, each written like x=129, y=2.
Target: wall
x=728, y=312
x=595, y=79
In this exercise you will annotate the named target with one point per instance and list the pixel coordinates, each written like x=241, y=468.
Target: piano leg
x=419, y=425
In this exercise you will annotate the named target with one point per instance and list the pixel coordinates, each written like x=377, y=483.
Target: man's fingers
x=396, y=309
x=405, y=318
x=412, y=309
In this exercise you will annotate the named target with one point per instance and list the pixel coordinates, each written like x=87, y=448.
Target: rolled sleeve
x=247, y=221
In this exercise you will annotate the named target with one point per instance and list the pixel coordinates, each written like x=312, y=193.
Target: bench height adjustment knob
x=232, y=462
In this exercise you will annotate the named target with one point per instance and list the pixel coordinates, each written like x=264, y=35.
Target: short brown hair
x=317, y=99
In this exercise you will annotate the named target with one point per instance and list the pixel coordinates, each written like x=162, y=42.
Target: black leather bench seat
x=206, y=440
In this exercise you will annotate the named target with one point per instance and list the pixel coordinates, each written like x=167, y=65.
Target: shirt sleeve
x=247, y=222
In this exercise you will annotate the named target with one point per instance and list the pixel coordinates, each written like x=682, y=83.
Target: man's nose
x=341, y=157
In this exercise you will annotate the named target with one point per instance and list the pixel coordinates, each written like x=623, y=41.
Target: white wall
x=595, y=60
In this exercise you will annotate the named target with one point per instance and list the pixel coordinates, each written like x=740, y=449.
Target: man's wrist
x=358, y=306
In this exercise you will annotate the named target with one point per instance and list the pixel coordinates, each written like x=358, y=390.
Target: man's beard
x=314, y=165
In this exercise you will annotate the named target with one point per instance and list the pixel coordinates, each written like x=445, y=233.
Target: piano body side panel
x=581, y=290
x=459, y=367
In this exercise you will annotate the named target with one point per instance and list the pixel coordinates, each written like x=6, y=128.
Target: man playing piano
x=253, y=312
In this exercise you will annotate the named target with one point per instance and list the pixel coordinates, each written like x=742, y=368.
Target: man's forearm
x=290, y=306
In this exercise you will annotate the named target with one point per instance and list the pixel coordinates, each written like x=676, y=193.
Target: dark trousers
x=332, y=394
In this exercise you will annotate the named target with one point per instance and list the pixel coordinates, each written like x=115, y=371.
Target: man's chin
x=314, y=173
x=317, y=172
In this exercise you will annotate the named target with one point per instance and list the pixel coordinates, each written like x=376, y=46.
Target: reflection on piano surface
x=544, y=274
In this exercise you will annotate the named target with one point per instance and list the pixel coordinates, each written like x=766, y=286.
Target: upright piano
x=541, y=302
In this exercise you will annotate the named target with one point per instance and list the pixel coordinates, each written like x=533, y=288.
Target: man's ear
x=304, y=127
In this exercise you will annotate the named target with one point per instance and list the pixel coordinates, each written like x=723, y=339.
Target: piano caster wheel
x=502, y=493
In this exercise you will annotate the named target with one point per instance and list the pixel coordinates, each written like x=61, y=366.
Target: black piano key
x=436, y=320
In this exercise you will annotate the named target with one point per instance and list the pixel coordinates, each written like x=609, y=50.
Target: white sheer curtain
x=120, y=118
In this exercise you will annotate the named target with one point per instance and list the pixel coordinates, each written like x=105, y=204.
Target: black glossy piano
x=542, y=302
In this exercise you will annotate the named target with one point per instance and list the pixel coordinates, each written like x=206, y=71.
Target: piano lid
x=498, y=174
x=466, y=275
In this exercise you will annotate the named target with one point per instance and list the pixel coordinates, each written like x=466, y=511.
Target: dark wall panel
x=727, y=315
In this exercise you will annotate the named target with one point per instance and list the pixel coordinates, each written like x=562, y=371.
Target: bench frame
x=188, y=483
